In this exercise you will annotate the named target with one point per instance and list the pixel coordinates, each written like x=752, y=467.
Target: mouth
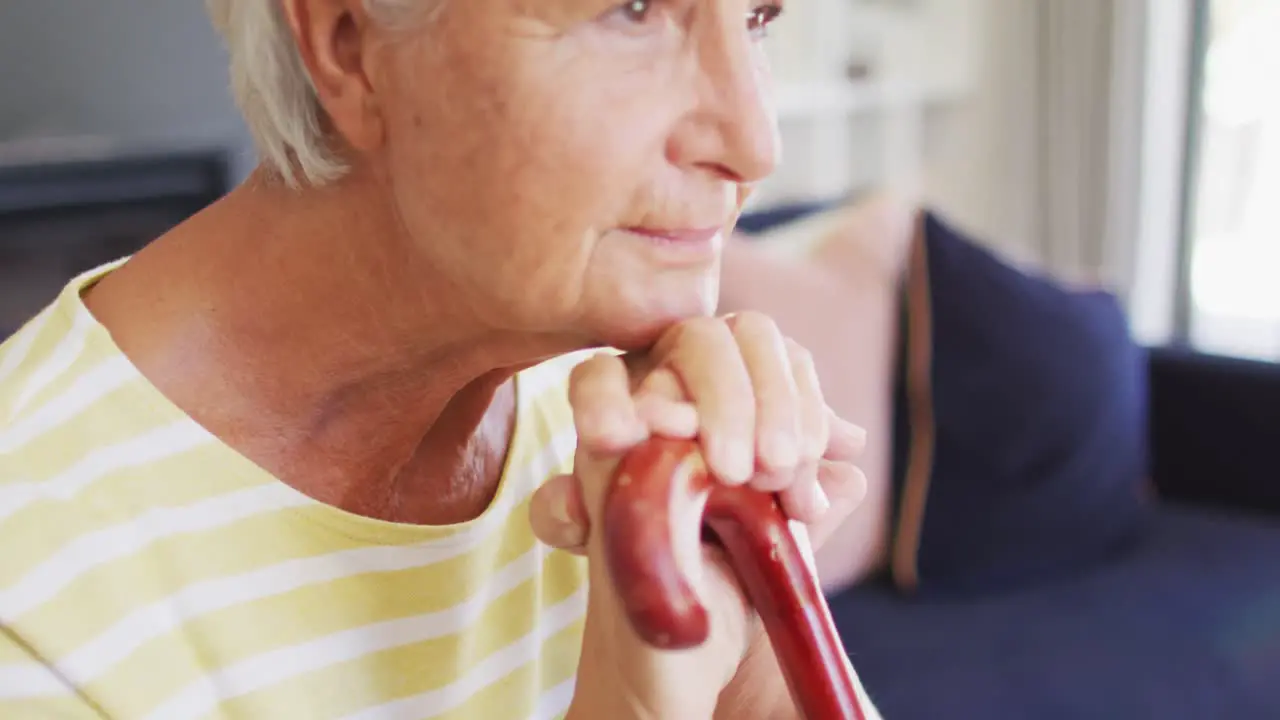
x=678, y=236
x=680, y=247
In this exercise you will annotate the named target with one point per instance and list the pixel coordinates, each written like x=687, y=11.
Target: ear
x=333, y=39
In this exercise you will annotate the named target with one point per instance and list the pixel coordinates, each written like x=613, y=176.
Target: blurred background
x=1131, y=141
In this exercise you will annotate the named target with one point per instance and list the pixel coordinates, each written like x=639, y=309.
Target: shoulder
x=77, y=423
x=57, y=346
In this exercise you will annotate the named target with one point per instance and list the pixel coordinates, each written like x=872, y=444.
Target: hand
x=753, y=401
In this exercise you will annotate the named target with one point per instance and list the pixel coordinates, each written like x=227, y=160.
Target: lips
x=691, y=236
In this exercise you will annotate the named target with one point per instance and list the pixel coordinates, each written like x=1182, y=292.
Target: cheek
x=507, y=170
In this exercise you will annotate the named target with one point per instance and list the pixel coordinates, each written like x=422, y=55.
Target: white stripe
x=542, y=378
x=30, y=679
x=492, y=669
x=555, y=702
x=267, y=669
x=62, y=357
x=556, y=371
x=96, y=657
x=147, y=448
x=21, y=343
x=98, y=548
x=91, y=386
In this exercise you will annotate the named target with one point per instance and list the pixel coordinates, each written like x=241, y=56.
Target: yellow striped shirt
x=149, y=571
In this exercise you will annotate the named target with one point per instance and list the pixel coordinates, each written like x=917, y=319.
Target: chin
x=631, y=310
x=638, y=330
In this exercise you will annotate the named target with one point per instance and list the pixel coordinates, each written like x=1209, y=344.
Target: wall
x=981, y=152
x=149, y=71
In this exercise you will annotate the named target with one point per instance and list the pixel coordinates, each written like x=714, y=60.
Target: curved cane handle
x=662, y=480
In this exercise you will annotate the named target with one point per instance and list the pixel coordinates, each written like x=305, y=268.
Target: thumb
x=558, y=515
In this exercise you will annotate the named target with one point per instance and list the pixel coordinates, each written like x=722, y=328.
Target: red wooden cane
x=665, y=480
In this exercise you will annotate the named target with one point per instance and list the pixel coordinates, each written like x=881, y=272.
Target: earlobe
x=330, y=36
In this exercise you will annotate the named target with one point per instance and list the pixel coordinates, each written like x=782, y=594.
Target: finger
x=664, y=407
x=558, y=516
x=846, y=488
x=770, y=480
x=804, y=499
x=847, y=441
x=704, y=355
x=603, y=411
x=764, y=352
x=668, y=418
x=663, y=382
x=844, y=484
x=814, y=415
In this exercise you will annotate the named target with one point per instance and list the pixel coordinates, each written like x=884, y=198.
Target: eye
x=637, y=11
x=637, y=17
x=758, y=19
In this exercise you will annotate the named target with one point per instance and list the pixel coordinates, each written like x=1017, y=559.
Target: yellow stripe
x=423, y=666
x=46, y=528
x=14, y=350
x=67, y=707
x=51, y=327
x=66, y=622
x=11, y=651
x=516, y=695
x=246, y=630
x=153, y=622
x=57, y=367
x=100, y=424
x=45, y=332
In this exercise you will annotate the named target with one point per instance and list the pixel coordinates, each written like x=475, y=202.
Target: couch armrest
x=1215, y=429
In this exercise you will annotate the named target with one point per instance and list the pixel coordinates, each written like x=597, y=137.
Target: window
x=1231, y=278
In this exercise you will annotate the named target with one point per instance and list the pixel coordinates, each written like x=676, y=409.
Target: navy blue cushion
x=1184, y=625
x=1020, y=439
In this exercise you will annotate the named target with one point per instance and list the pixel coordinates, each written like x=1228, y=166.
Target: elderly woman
x=320, y=451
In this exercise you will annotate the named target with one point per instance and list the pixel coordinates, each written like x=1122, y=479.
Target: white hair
x=274, y=91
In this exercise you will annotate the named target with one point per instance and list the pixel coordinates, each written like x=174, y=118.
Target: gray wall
x=141, y=71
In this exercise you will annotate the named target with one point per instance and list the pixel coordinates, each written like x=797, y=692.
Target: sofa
x=1141, y=580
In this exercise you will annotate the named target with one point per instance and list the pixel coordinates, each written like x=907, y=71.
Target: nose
x=732, y=130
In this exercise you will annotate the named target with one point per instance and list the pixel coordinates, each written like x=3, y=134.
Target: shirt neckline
x=357, y=527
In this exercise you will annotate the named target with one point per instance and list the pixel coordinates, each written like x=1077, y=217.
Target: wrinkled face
x=573, y=165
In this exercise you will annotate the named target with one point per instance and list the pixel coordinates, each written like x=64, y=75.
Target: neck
x=310, y=337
